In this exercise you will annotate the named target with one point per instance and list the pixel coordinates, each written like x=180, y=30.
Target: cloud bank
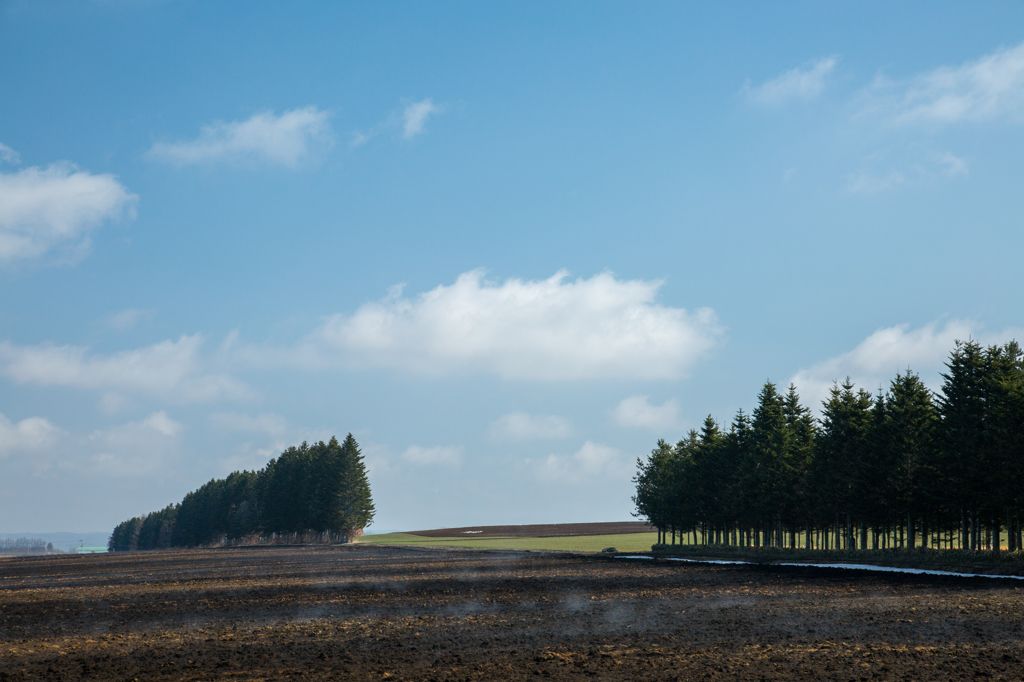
x=43, y=209
x=288, y=139
x=802, y=83
x=874, y=361
x=555, y=329
x=169, y=369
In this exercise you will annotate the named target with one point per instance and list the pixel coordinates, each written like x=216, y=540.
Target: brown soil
x=365, y=612
x=540, y=530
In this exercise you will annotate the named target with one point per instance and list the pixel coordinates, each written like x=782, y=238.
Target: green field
x=631, y=542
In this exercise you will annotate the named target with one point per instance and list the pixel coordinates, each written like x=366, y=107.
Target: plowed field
x=395, y=613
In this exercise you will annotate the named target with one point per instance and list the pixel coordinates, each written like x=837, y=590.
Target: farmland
x=580, y=537
x=400, y=612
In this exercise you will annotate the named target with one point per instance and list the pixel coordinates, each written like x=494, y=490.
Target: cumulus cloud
x=590, y=462
x=31, y=434
x=523, y=426
x=637, y=411
x=171, y=369
x=415, y=116
x=288, y=139
x=988, y=89
x=874, y=361
x=8, y=155
x=532, y=330
x=802, y=83
x=43, y=209
x=435, y=456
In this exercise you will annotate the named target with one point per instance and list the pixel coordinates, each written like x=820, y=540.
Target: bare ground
x=363, y=612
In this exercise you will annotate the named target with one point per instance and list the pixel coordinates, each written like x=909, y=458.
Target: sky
x=507, y=245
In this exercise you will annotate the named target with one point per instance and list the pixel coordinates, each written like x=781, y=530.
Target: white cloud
x=533, y=330
x=523, y=426
x=171, y=369
x=44, y=209
x=435, y=456
x=988, y=89
x=33, y=433
x=134, y=449
x=802, y=83
x=637, y=411
x=139, y=448
x=874, y=361
x=590, y=462
x=268, y=423
x=127, y=319
x=415, y=116
x=8, y=155
x=288, y=139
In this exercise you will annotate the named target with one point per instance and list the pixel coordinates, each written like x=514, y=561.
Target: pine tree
x=910, y=420
x=355, y=504
x=962, y=435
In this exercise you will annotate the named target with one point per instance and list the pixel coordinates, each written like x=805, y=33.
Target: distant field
x=624, y=542
x=540, y=530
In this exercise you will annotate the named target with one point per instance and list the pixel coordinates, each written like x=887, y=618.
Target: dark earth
x=372, y=612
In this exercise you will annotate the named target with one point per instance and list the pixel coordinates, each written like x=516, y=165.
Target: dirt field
x=366, y=612
x=540, y=530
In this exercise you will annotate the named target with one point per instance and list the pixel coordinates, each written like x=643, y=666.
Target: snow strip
x=854, y=567
x=915, y=571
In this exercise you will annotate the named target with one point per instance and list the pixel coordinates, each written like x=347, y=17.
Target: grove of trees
x=903, y=468
x=310, y=489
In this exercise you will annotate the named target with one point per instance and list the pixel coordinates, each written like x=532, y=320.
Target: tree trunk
x=911, y=539
x=1010, y=539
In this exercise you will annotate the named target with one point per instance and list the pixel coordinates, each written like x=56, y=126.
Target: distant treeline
x=310, y=489
x=23, y=545
x=905, y=468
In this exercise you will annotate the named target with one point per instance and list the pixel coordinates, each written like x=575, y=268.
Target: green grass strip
x=625, y=542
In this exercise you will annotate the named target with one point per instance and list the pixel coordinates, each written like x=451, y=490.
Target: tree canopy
x=320, y=488
x=902, y=468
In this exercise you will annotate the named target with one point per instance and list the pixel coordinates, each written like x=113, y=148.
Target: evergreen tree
x=354, y=502
x=961, y=438
x=910, y=420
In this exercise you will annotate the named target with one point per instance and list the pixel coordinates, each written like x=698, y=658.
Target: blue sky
x=507, y=245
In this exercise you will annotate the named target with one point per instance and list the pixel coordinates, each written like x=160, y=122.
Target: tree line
x=310, y=489
x=903, y=468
